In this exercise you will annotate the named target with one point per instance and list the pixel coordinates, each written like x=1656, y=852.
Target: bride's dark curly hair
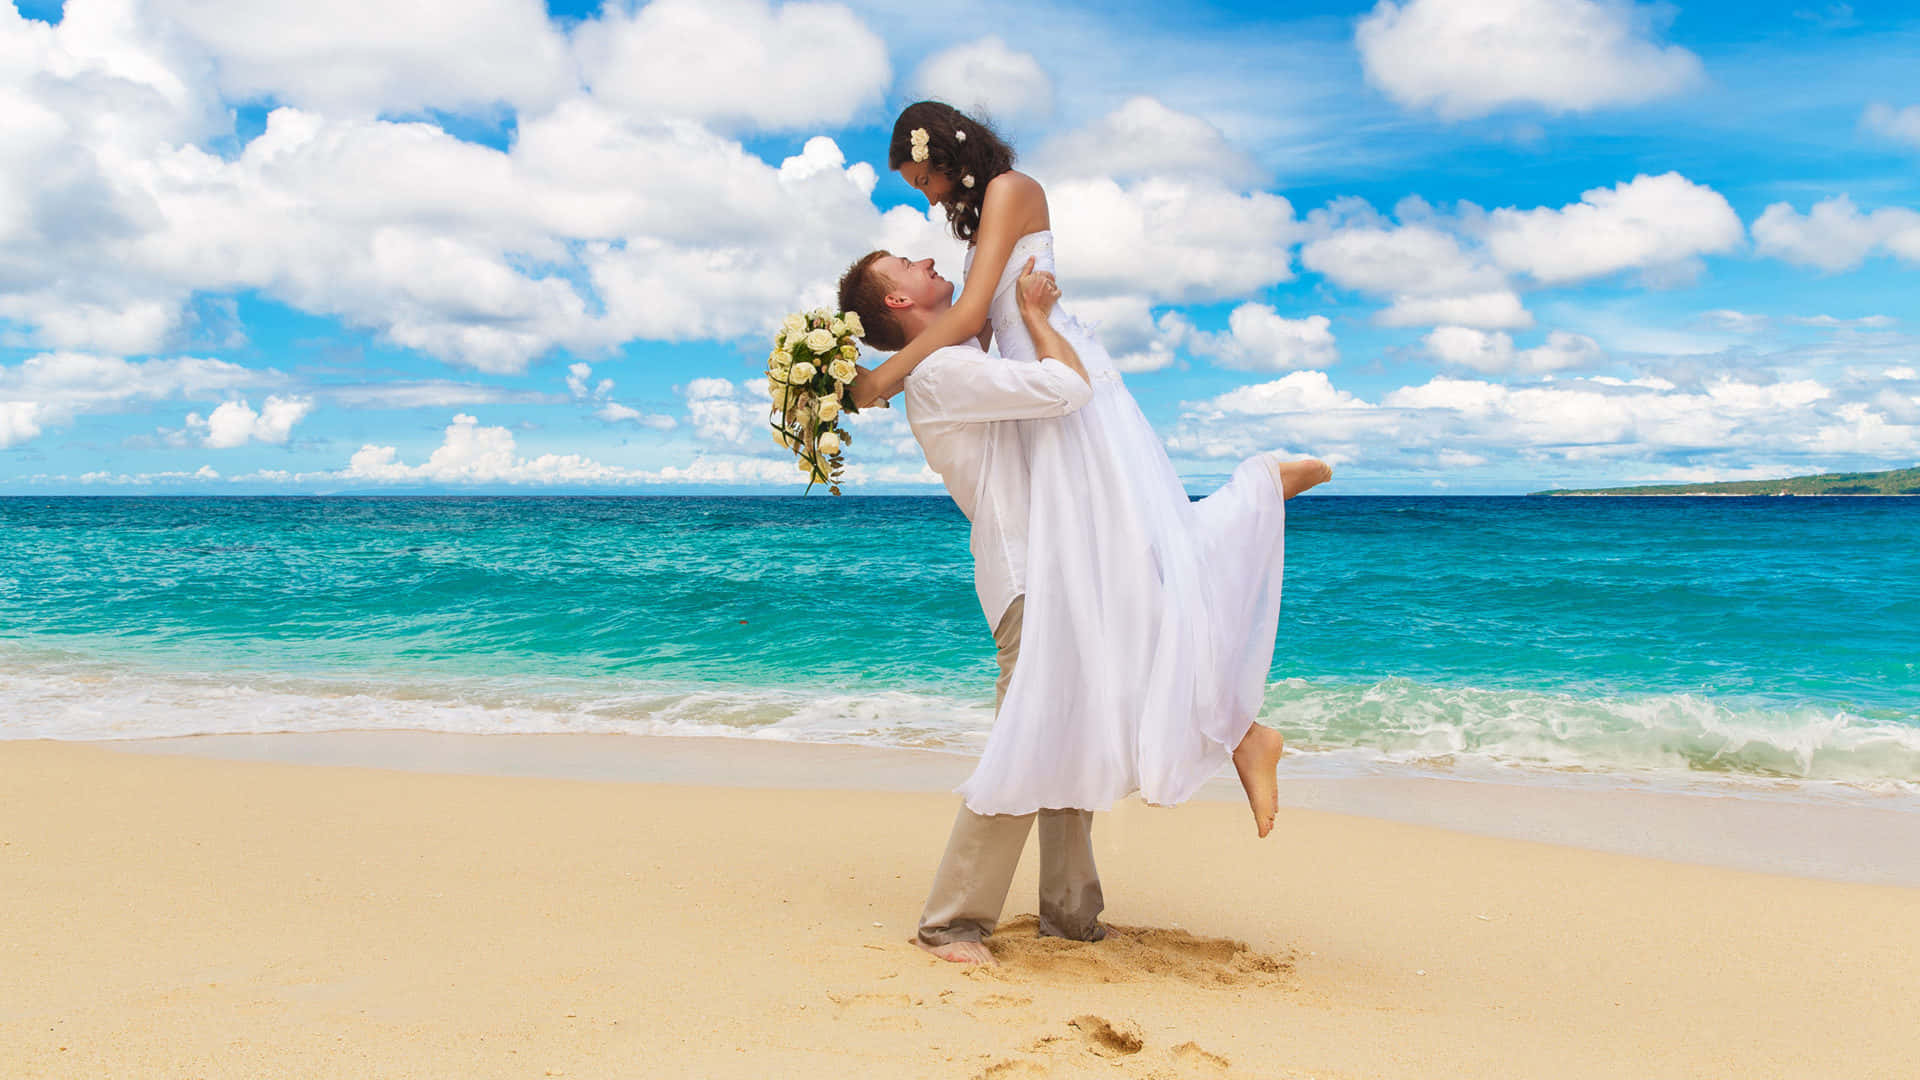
x=981, y=154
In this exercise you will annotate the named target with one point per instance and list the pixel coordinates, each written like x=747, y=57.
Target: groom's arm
x=962, y=385
x=1037, y=294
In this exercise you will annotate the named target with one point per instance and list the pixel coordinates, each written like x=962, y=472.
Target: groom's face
x=914, y=284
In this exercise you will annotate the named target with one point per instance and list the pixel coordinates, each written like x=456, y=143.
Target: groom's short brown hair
x=863, y=291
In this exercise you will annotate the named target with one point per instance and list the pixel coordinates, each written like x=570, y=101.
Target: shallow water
x=1739, y=638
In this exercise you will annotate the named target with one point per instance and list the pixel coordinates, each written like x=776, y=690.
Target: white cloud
x=1129, y=331
x=1464, y=58
x=19, y=422
x=471, y=453
x=1301, y=391
x=1740, y=322
x=577, y=376
x=1302, y=412
x=50, y=389
x=1429, y=275
x=1172, y=241
x=725, y=415
x=1835, y=235
x=112, y=219
x=734, y=63
x=1493, y=353
x=1659, y=225
x=1144, y=138
x=1859, y=430
x=234, y=423
x=368, y=56
x=1499, y=309
x=1578, y=419
x=474, y=454
x=614, y=413
x=1864, y=322
x=986, y=77
x=608, y=410
x=777, y=245
x=1900, y=125
x=415, y=394
x=1260, y=339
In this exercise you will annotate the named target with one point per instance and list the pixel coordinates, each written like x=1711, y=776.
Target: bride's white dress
x=1150, y=619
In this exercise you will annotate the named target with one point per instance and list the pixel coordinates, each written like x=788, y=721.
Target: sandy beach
x=172, y=915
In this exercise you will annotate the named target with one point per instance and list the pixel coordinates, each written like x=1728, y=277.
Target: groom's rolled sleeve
x=982, y=389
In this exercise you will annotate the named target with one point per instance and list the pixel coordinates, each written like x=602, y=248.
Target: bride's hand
x=1038, y=291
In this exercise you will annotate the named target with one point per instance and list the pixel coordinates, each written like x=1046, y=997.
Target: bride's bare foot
x=1298, y=476
x=1257, y=760
x=960, y=952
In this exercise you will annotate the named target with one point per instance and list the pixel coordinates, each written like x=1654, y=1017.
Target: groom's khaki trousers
x=983, y=851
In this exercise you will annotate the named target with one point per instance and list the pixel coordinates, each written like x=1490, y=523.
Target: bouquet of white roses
x=807, y=374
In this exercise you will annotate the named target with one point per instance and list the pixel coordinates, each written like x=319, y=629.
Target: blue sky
x=494, y=246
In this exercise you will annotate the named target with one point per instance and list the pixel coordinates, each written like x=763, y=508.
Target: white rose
x=780, y=361
x=820, y=342
x=801, y=373
x=842, y=371
x=851, y=352
x=829, y=444
x=826, y=408
x=837, y=327
x=794, y=323
x=853, y=324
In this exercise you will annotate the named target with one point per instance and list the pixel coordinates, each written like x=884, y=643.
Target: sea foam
x=1332, y=728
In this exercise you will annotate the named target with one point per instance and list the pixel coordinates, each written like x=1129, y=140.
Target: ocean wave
x=80, y=700
x=1406, y=721
x=1395, y=721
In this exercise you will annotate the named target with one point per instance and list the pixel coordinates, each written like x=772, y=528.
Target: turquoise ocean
x=1766, y=643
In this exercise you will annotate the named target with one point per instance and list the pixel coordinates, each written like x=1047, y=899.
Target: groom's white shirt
x=961, y=403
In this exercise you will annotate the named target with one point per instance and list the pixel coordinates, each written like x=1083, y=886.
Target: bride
x=1150, y=619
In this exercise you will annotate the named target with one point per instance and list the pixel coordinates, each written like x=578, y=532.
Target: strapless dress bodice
x=1009, y=332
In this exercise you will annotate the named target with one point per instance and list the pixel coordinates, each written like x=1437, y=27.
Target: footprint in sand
x=1011, y=1069
x=1190, y=1054
x=996, y=1008
x=1105, y=1038
x=876, y=1011
x=1133, y=954
x=1104, y=1045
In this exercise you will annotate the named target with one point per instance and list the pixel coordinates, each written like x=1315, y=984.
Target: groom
x=960, y=404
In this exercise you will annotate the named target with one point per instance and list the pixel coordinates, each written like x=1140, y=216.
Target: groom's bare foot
x=1298, y=476
x=1257, y=760
x=960, y=952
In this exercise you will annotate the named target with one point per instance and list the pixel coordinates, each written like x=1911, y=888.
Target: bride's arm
x=1013, y=201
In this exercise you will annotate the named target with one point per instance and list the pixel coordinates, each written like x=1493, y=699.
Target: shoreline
x=174, y=914
x=1750, y=829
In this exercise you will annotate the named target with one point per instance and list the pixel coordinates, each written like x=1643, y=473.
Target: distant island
x=1893, y=482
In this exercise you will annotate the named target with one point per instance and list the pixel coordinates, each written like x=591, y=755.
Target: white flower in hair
x=959, y=136
x=919, y=137
x=966, y=181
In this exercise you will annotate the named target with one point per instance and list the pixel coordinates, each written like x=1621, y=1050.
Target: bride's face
x=928, y=181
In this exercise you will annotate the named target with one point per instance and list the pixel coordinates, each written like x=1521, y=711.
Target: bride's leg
x=1297, y=476
x=1257, y=760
